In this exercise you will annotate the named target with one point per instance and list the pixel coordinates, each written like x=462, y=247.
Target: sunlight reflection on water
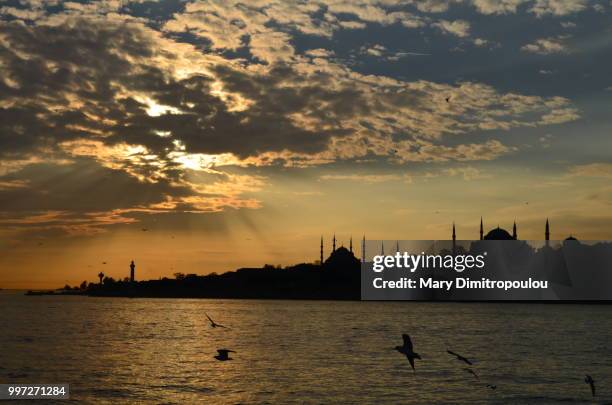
x=160, y=350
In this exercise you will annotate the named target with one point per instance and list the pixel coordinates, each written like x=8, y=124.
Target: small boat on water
x=40, y=292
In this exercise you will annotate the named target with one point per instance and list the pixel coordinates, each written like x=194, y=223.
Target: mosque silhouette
x=573, y=267
x=342, y=257
x=501, y=234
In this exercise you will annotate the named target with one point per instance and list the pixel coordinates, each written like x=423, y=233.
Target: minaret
x=481, y=230
x=363, y=257
x=351, y=244
x=382, y=248
x=514, y=231
x=397, y=246
x=321, y=259
x=547, y=232
x=454, y=238
x=334, y=244
x=132, y=267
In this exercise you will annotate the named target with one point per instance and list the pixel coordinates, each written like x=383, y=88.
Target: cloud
x=497, y=6
x=380, y=51
x=603, y=170
x=558, y=7
x=540, y=8
x=374, y=50
x=433, y=6
x=210, y=106
x=183, y=112
x=459, y=28
x=20, y=13
x=367, y=178
x=546, y=46
x=546, y=140
x=12, y=184
x=468, y=173
x=352, y=25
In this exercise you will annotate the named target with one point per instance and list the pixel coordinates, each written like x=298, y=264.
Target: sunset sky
x=201, y=136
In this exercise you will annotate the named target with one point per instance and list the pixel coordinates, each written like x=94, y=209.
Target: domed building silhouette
x=501, y=234
x=341, y=258
x=498, y=234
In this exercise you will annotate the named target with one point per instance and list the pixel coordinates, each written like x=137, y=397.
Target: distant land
x=337, y=278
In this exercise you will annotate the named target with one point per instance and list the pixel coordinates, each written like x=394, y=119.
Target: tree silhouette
x=101, y=276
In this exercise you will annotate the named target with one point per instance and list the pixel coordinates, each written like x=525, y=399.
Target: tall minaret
x=514, y=231
x=363, y=256
x=334, y=244
x=321, y=260
x=132, y=267
x=454, y=238
x=397, y=246
x=351, y=244
x=547, y=232
x=382, y=248
x=481, y=230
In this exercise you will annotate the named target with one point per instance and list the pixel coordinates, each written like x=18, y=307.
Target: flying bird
x=406, y=350
x=469, y=370
x=224, y=354
x=589, y=380
x=214, y=324
x=103, y=262
x=459, y=357
x=493, y=387
x=144, y=229
x=447, y=99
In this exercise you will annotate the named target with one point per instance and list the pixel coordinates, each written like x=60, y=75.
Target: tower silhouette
x=481, y=230
x=514, y=231
x=321, y=255
x=363, y=255
x=454, y=239
x=132, y=267
x=351, y=244
x=382, y=248
x=334, y=244
x=547, y=233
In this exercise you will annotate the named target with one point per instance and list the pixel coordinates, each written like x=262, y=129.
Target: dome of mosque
x=498, y=234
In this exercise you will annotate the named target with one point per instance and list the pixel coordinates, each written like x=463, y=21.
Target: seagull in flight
x=214, y=324
x=459, y=357
x=406, y=350
x=469, y=370
x=589, y=380
x=224, y=354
